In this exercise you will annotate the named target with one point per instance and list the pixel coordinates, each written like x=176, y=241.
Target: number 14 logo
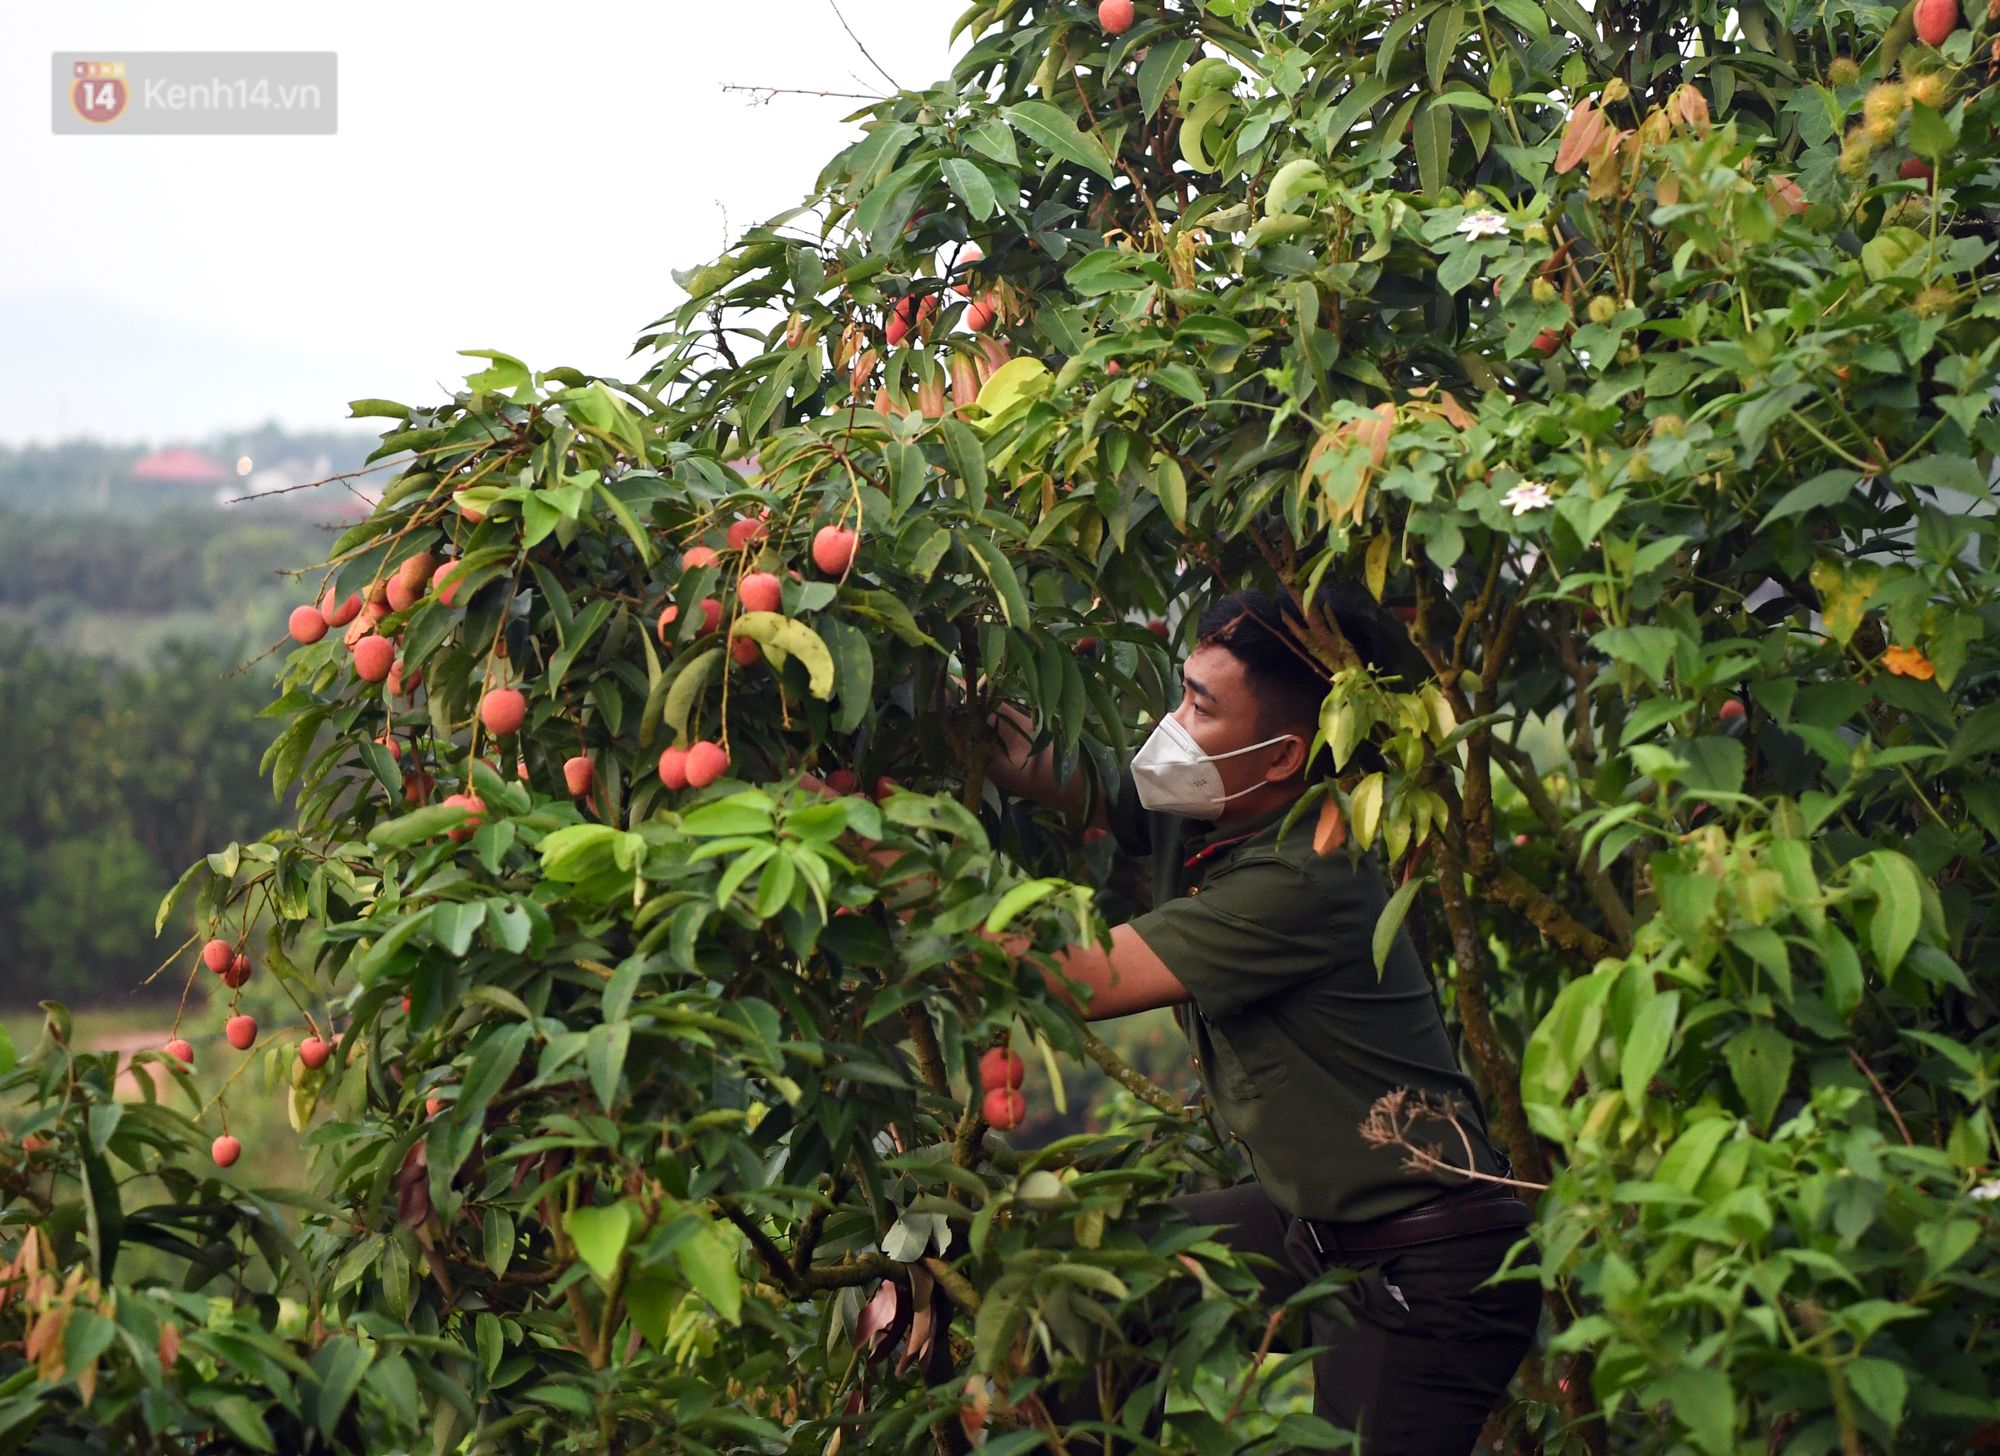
x=97, y=92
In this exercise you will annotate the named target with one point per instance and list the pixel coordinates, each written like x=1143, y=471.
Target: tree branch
x=1129, y=1077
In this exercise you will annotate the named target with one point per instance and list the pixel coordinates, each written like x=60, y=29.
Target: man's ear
x=1291, y=759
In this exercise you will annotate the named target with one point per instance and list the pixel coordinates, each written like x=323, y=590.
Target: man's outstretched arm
x=1016, y=767
x=1123, y=980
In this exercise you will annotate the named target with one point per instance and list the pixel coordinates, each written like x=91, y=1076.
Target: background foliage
x=1677, y=468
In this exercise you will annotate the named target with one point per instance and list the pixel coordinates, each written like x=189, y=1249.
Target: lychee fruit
x=760, y=591
x=503, y=711
x=1731, y=710
x=745, y=529
x=415, y=571
x=225, y=1150
x=238, y=971
x=306, y=624
x=373, y=657
x=1000, y=1067
x=743, y=651
x=418, y=784
x=445, y=594
x=833, y=549
x=313, y=1051
x=180, y=1050
x=979, y=317
x=241, y=1031
x=475, y=808
x=1935, y=20
x=578, y=773
x=696, y=557
x=345, y=612
x=673, y=767
x=216, y=955
x=1116, y=17
x=844, y=781
x=1004, y=1107
x=1912, y=169
x=706, y=762
x=433, y=1106
x=401, y=684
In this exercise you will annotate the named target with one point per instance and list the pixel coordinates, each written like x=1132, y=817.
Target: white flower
x=1988, y=1191
x=1483, y=225
x=1529, y=495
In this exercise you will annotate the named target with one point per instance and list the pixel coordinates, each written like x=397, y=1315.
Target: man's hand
x=1126, y=979
x=1017, y=768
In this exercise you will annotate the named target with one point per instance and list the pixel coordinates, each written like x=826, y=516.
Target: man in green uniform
x=1266, y=947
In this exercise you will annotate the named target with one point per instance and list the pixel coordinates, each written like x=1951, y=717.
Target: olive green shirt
x=1293, y=1032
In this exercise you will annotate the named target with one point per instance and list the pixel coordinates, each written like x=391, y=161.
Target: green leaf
x=1646, y=1047
x=1881, y=1385
x=1019, y=898
x=340, y=1363
x=605, y=1057
x=1556, y=1050
x=749, y=811
x=1390, y=921
x=650, y=1301
x=709, y=1265
x=1760, y=1064
x=790, y=637
x=1157, y=72
x=1431, y=137
x=968, y=460
x=1170, y=481
x=1827, y=488
x=600, y=1235
x=687, y=686
x=1899, y=908
x=1047, y=125
x=416, y=826
x=972, y=187
x=1703, y=1403
x=1000, y=572
x=854, y=670
x=452, y=925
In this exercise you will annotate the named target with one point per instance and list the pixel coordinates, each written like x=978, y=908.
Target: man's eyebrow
x=1195, y=687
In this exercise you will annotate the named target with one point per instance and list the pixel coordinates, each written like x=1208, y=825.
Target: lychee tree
x=1641, y=361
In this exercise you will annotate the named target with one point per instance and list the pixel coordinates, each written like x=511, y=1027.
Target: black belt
x=1479, y=1211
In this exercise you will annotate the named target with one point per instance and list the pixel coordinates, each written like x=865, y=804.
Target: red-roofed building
x=180, y=467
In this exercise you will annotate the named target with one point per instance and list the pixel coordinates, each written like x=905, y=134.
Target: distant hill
x=81, y=364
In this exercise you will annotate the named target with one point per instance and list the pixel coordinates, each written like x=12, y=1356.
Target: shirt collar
x=1205, y=844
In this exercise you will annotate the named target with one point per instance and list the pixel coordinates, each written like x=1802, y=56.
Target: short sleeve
x=1130, y=821
x=1260, y=929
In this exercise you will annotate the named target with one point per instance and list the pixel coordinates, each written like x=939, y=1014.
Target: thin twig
x=862, y=48
x=1873, y=1081
x=769, y=91
x=1256, y=1363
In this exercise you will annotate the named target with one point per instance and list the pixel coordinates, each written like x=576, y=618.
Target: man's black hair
x=1266, y=634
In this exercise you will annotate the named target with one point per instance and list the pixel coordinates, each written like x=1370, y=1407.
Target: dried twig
x=1391, y=1118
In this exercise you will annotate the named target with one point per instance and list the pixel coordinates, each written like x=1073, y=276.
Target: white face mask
x=1174, y=776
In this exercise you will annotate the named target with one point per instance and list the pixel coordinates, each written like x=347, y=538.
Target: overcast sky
x=511, y=176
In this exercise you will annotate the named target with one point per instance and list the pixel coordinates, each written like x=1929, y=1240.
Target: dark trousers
x=1421, y=1357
